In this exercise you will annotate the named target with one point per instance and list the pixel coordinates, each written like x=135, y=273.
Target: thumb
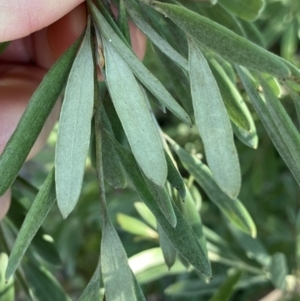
x=21, y=18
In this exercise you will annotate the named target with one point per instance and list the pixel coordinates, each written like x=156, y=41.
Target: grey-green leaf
x=180, y=236
x=131, y=105
x=137, y=17
x=114, y=266
x=277, y=123
x=141, y=72
x=74, y=131
x=213, y=123
x=34, y=219
x=234, y=210
x=33, y=119
x=167, y=248
x=278, y=270
x=146, y=214
x=223, y=41
x=247, y=10
x=91, y=292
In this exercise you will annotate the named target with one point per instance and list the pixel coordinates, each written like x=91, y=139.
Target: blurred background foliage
x=248, y=269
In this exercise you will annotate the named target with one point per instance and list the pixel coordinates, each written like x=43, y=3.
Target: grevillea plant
x=212, y=52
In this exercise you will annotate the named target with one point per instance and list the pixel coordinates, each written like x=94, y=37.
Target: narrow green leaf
x=141, y=72
x=146, y=214
x=123, y=21
x=233, y=100
x=234, y=210
x=167, y=248
x=74, y=131
x=252, y=33
x=280, y=130
x=3, y=46
x=180, y=236
x=43, y=285
x=131, y=106
x=114, y=266
x=91, y=292
x=34, y=219
x=174, y=177
x=297, y=239
x=283, y=123
x=249, y=138
x=253, y=247
x=135, y=226
x=224, y=292
x=278, y=270
x=247, y=10
x=296, y=98
x=114, y=172
x=33, y=119
x=137, y=17
x=213, y=123
x=223, y=41
x=7, y=289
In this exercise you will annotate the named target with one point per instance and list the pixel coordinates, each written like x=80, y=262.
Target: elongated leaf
x=146, y=214
x=233, y=101
x=35, y=217
x=7, y=289
x=115, y=270
x=247, y=10
x=223, y=41
x=91, y=292
x=141, y=72
x=33, y=119
x=131, y=106
x=283, y=136
x=135, y=226
x=75, y=128
x=175, y=178
x=123, y=21
x=167, y=248
x=213, y=123
x=43, y=285
x=252, y=33
x=226, y=289
x=180, y=236
x=137, y=17
x=296, y=98
x=234, y=210
x=278, y=270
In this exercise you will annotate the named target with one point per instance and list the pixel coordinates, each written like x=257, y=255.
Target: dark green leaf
x=35, y=217
x=123, y=21
x=223, y=41
x=34, y=117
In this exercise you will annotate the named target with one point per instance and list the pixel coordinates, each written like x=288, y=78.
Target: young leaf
x=167, y=248
x=136, y=227
x=7, y=289
x=182, y=235
x=284, y=137
x=234, y=210
x=213, y=123
x=131, y=106
x=247, y=10
x=224, y=292
x=33, y=119
x=91, y=292
x=74, y=131
x=34, y=219
x=146, y=214
x=137, y=17
x=140, y=71
x=223, y=41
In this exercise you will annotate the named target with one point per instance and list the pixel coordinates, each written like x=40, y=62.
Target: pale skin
x=40, y=31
